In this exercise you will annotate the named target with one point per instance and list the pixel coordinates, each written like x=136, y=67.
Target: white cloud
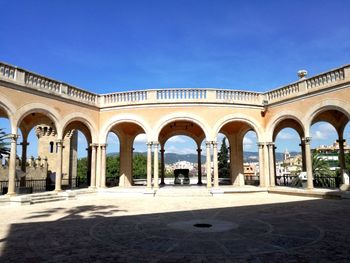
x=141, y=138
x=179, y=150
x=286, y=136
x=323, y=131
x=177, y=139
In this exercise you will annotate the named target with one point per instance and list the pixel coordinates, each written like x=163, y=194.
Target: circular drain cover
x=202, y=225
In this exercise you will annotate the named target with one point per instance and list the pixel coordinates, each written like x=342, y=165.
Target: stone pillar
x=266, y=166
x=93, y=165
x=98, y=166
x=272, y=164
x=208, y=143
x=24, y=155
x=162, y=165
x=126, y=158
x=302, y=145
x=155, y=166
x=310, y=184
x=199, y=164
x=12, y=166
x=58, y=181
x=103, y=165
x=236, y=160
x=261, y=165
x=341, y=157
x=149, y=165
x=215, y=163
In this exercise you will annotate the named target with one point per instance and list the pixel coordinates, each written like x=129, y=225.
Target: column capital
x=341, y=140
x=103, y=145
x=162, y=150
x=93, y=145
x=24, y=143
x=270, y=144
x=149, y=144
x=306, y=140
x=214, y=143
x=59, y=142
x=261, y=144
x=208, y=143
x=155, y=143
x=13, y=137
x=199, y=150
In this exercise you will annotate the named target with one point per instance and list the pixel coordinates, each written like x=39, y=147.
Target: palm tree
x=4, y=143
x=321, y=171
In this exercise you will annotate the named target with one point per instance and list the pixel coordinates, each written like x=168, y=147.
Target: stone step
x=46, y=200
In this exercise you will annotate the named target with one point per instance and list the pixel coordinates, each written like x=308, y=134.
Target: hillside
x=171, y=158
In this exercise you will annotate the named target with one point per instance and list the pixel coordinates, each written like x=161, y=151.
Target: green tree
x=112, y=169
x=4, y=143
x=82, y=168
x=140, y=166
x=224, y=166
x=320, y=167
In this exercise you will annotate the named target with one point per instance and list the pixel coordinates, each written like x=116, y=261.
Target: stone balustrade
x=181, y=94
x=325, y=79
x=195, y=95
x=124, y=97
x=282, y=93
x=7, y=71
x=238, y=96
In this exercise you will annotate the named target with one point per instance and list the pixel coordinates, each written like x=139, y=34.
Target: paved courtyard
x=254, y=227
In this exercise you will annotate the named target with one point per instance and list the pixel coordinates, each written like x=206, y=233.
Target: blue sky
x=108, y=46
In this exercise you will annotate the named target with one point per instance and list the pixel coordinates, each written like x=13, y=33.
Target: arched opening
x=121, y=162
x=182, y=161
x=328, y=147
x=76, y=161
x=112, y=160
x=244, y=166
x=289, y=159
x=36, y=164
x=5, y=129
x=251, y=159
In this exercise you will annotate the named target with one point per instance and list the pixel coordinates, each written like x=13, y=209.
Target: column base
x=199, y=183
x=58, y=190
x=11, y=194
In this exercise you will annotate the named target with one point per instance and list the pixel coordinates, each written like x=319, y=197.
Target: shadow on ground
x=306, y=231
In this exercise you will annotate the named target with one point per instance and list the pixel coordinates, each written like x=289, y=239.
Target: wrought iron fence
x=286, y=180
x=326, y=181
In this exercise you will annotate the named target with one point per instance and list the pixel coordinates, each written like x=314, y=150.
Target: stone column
x=93, y=165
x=302, y=145
x=341, y=157
x=155, y=166
x=162, y=165
x=215, y=162
x=149, y=165
x=199, y=164
x=310, y=184
x=208, y=144
x=236, y=159
x=126, y=159
x=103, y=165
x=271, y=145
x=12, y=166
x=24, y=155
x=98, y=166
x=58, y=181
x=266, y=166
x=261, y=165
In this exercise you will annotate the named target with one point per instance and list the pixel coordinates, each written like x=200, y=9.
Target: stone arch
x=123, y=118
x=240, y=118
x=180, y=116
x=83, y=118
x=280, y=117
x=40, y=108
x=324, y=105
x=7, y=106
